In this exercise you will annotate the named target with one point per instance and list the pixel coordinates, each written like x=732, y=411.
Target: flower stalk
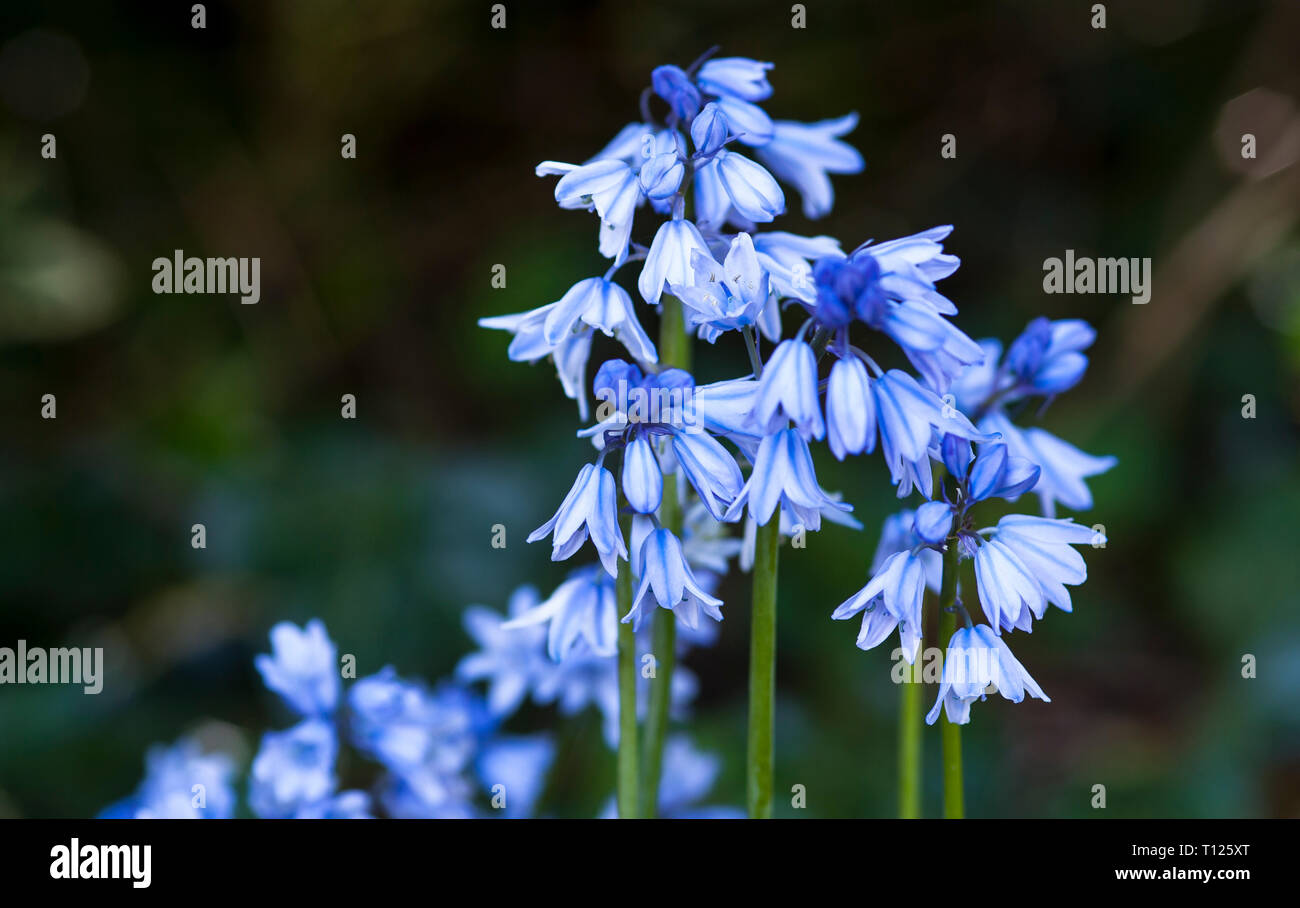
x=762, y=672
x=954, y=799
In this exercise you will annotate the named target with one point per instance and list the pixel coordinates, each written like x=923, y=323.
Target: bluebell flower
x=1025, y=563
x=738, y=77
x=1042, y=547
x=1063, y=466
x=912, y=418
x=519, y=764
x=1047, y=357
x=976, y=658
x=709, y=131
x=669, y=260
x=510, y=656
x=748, y=122
x=727, y=296
x=753, y=192
x=590, y=508
x=802, y=154
x=410, y=728
x=610, y=187
x=787, y=390
x=181, y=783
x=850, y=409
x=783, y=475
x=668, y=582
x=663, y=169
x=788, y=259
x=595, y=303
x=581, y=612
x=293, y=769
x=303, y=668
x=643, y=480
x=673, y=85
x=709, y=468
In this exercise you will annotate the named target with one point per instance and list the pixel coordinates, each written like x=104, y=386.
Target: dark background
x=174, y=410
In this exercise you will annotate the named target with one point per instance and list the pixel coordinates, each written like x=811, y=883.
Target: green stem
x=628, y=771
x=664, y=648
x=762, y=672
x=909, y=748
x=954, y=800
x=674, y=352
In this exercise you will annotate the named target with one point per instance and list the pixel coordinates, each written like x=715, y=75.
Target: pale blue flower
x=1042, y=546
x=709, y=468
x=748, y=122
x=788, y=259
x=739, y=77
x=783, y=475
x=668, y=582
x=976, y=658
x=595, y=303
x=727, y=296
x=590, y=508
x=608, y=186
x=911, y=418
x=891, y=599
x=529, y=345
x=643, y=480
x=1064, y=467
x=802, y=154
x=303, y=667
x=709, y=131
x=850, y=409
x=424, y=794
x=582, y=612
x=669, y=260
x=933, y=522
x=293, y=769
x=787, y=390
x=753, y=192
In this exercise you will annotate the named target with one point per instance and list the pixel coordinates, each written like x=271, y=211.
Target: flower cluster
x=675, y=464
x=440, y=750
x=1022, y=563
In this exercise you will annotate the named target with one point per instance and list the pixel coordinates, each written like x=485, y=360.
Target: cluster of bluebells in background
x=707, y=163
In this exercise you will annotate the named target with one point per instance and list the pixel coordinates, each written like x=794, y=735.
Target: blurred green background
x=174, y=410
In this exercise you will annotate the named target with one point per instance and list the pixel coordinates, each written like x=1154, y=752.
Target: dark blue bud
x=673, y=85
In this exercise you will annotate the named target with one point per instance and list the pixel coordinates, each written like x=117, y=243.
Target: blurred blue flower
x=509, y=657
x=302, y=667
x=739, y=77
x=802, y=154
x=293, y=769
x=519, y=764
x=976, y=658
x=181, y=783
